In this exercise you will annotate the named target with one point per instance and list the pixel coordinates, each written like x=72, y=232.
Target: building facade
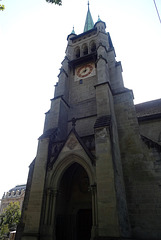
x=15, y=194
x=97, y=172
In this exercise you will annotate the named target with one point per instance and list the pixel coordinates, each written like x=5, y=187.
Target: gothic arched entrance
x=74, y=205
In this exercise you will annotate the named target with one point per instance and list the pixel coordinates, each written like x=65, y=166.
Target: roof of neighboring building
x=18, y=187
x=148, y=108
x=15, y=192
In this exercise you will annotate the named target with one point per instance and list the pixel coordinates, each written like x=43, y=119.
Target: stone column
x=47, y=206
x=48, y=228
x=54, y=196
x=53, y=213
x=94, y=211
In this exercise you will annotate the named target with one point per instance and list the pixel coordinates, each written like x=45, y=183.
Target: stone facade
x=15, y=194
x=97, y=172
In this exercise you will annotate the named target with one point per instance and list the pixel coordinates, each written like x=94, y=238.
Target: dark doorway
x=84, y=224
x=73, y=206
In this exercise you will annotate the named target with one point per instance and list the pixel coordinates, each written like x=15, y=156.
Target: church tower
x=76, y=187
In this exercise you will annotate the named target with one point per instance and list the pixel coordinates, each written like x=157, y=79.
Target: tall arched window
x=92, y=46
x=77, y=52
x=85, y=49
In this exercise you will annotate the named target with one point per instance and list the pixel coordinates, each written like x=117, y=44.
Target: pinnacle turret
x=73, y=31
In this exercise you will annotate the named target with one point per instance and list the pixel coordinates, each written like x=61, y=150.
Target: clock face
x=85, y=71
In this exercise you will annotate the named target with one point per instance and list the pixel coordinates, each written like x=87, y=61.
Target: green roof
x=89, y=24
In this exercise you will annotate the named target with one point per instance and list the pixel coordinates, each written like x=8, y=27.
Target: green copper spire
x=73, y=32
x=99, y=20
x=89, y=24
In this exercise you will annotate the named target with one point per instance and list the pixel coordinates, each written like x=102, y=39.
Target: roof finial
x=74, y=122
x=73, y=30
x=98, y=19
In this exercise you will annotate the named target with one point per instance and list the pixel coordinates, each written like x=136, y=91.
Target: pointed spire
x=89, y=24
x=73, y=32
x=98, y=19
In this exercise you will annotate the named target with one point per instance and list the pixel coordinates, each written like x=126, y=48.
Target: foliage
x=4, y=231
x=9, y=218
x=2, y=7
x=58, y=2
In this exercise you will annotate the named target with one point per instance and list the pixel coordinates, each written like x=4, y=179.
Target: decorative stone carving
x=102, y=133
x=71, y=144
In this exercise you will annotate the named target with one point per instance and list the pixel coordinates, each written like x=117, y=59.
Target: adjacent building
x=15, y=194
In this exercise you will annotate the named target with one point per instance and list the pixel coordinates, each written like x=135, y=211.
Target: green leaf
x=4, y=231
x=2, y=7
x=10, y=217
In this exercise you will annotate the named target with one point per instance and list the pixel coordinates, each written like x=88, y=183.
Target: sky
x=33, y=40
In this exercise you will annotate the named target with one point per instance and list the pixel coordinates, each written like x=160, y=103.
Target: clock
x=84, y=71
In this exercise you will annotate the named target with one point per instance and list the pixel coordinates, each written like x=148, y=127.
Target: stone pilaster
x=108, y=222
x=33, y=214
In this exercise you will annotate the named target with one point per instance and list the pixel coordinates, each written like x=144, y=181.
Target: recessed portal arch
x=65, y=163
x=74, y=205
x=70, y=207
